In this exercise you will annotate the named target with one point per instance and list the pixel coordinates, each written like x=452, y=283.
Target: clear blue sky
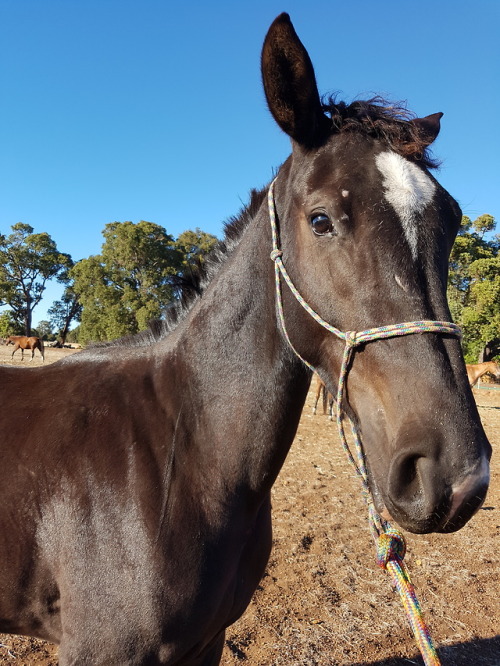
x=116, y=110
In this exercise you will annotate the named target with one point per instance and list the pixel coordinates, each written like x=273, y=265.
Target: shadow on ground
x=481, y=652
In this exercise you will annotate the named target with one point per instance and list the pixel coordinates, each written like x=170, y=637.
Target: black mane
x=191, y=285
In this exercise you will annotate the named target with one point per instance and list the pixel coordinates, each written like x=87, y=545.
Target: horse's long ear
x=290, y=85
x=428, y=127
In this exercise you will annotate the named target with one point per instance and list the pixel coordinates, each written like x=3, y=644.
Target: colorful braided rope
x=390, y=542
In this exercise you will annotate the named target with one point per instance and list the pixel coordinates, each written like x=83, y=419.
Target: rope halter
x=389, y=540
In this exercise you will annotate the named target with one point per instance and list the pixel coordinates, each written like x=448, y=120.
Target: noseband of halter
x=389, y=540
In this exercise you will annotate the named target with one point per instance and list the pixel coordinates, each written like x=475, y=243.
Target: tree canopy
x=133, y=280
x=63, y=312
x=27, y=262
x=8, y=325
x=474, y=284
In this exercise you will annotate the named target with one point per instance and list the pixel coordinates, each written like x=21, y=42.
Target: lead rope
x=390, y=543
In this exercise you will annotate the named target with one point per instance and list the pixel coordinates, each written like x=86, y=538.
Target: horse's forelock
x=381, y=119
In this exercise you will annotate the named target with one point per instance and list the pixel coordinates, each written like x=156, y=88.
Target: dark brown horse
x=136, y=523
x=23, y=342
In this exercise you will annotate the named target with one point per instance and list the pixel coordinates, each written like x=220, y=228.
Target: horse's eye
x=321, y=224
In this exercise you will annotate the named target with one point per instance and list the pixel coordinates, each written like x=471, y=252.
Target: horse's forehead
x=373, y=173
x=406, y=186
x=408, y=189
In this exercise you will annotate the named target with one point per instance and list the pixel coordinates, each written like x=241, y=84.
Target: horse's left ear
x=290, y=85
x=428, y=127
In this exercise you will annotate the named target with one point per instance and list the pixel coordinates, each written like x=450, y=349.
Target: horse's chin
x=378, y=501
x=384, y=513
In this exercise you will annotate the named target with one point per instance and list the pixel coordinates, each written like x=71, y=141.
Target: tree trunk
x=490, y=349
x=27, y=323
x=71, y=315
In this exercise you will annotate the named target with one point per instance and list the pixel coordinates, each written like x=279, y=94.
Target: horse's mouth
x=458, y=505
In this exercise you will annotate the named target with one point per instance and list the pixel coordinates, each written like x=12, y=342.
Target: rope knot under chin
x=351, y=339
x=391, y=546
x=276, y=254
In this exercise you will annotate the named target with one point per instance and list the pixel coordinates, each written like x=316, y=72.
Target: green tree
x=135, y=277
x=104, y=316
x=27, y=262
x=62, y=313
x=74, y=335
x=8, y=325
x=44, y=329
x=129, y=284
x=474, y=284
x=194, y=247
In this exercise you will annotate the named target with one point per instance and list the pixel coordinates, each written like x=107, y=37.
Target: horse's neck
x=250, y=386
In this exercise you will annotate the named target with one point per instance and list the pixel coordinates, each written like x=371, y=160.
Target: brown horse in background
x=23, y=342
x=321, y=390
x=476, y=371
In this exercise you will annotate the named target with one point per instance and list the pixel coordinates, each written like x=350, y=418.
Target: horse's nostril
x=423, y=493
x=405, y=480
x=417, y=499
x=467, y=497
x=408, y=481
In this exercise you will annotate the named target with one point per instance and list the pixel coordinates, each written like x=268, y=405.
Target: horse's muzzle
x=467, y=497
x=422, y=498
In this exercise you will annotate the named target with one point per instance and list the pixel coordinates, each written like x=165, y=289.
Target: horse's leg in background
x=319, y=385
x=32, y=353
x=325, y=398
x=471, y=375
x=16, y=347
x=330, y=406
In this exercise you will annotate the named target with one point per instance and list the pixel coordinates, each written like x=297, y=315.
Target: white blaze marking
x=408, y=189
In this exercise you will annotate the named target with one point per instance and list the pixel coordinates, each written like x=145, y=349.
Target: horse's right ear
x=290, y=85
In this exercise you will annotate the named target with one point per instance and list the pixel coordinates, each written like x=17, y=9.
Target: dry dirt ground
x=323, y=601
